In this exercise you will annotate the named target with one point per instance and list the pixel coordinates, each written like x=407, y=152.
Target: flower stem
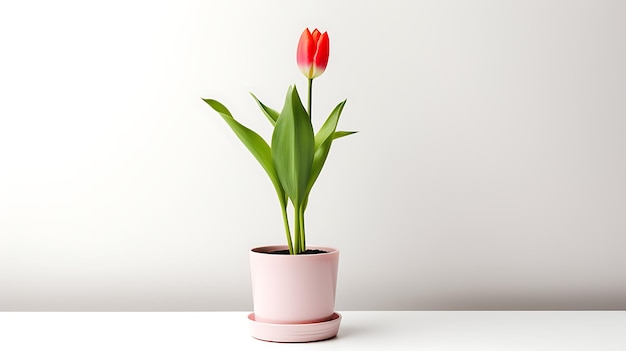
x=303, y=238
x=287, y=230
x=310, y=96
x=296, y=230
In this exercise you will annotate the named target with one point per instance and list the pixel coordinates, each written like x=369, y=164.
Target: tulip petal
x=306, y=52
x=322, y=52
x=316, y=35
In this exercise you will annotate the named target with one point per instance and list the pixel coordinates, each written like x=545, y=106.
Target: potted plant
x=293, y=285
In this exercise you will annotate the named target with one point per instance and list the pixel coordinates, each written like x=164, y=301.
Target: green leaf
x=328, y=128
x=319, y=158
x=338, y=135
x=323, y=141
x=293, y=147
x=271, y=114
x=255, y=143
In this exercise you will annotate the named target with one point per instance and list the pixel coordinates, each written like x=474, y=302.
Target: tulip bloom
x=313, y=50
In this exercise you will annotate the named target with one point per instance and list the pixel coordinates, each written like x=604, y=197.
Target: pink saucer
x=294, y=332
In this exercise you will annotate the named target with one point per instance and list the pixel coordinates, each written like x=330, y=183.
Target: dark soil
x=307, y=252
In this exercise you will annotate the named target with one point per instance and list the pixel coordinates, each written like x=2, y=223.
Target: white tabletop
x=359, y=331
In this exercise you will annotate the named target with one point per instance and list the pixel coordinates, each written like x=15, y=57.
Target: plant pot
x=290, y=290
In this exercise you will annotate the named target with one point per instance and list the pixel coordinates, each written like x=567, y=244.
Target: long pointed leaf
x=255, y=144
x=342, y=134
x=328, y=128
x=323, y=141
x=321, y=154
x=271, y=114
x=293, y=147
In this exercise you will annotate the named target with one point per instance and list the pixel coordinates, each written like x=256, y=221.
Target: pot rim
x=268, y=248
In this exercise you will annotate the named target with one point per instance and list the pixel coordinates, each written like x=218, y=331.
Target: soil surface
x=307, y=252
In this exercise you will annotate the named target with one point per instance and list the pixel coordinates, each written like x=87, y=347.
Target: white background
x=488, y=172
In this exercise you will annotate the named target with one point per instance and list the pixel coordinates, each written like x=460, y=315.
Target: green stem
x=310, y=96
x=299, y=212
x=303, y=237
x=287, y=230
x=296, y=228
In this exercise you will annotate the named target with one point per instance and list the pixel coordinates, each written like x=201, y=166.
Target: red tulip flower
x=313, y=50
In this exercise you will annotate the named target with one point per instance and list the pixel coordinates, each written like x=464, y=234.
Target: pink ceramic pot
x=293, y=289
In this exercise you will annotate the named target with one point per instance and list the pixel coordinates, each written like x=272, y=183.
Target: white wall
x=488, y=172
